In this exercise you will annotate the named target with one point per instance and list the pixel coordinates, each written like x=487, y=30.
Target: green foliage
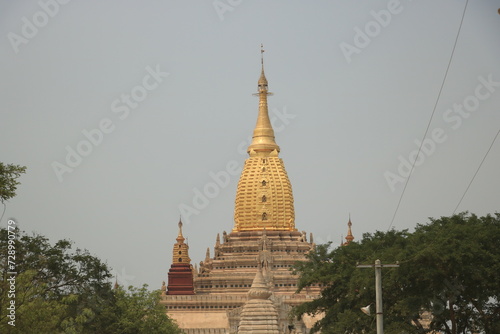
x=448, y=267
x=139, y=311
x=52, y=283
x=58, y=290
x=32, y=312
x=8, y=180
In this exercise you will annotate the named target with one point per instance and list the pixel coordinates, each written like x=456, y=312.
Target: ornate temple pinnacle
x=252, y=260
x=262, y=83
x=263, y=141
x=349, y=236
x=180, y=238
x=180, y=252
x=207, y=255
x=264, y=197
x=217, y=240
x=262, y=80
x=180, y=275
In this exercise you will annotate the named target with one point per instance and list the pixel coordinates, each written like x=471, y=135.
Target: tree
x=49, y=277
x=139, y=311
x=32, y=313
x=8, y=180
x=448, y=270
x=461, y=282
x=56, y=290
x=60, y=290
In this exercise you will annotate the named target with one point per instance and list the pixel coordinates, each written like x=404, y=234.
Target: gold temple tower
x=264, y=196
x=261, y=248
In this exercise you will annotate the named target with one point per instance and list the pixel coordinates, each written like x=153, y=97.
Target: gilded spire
x=264, y=197
x=180, y=275
x=180, y=238
x=180, y=252
x=263, y=135
x=262, y=83
x=349, y=236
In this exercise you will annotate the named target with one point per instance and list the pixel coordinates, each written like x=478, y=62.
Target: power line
x=477, y=170
x=432, y=115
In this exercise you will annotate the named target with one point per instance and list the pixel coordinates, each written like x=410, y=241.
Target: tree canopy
x=9, y=174
x=448, y=274
x=61, y=290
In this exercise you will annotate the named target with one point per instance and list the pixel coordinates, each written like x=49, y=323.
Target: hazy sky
x=163, y=89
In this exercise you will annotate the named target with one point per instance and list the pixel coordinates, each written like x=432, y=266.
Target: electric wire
x=477, y=171
x=432, y=115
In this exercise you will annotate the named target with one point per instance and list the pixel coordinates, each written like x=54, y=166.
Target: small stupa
x=259, y=316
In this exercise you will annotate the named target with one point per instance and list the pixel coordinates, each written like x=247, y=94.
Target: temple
x=247, y=285
x=180, y=275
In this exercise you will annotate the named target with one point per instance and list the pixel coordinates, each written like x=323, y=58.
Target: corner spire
x=180, y=275
x=349, y=236
x=263, y=135
x=207, y=255
x=180, y=238
x=180, y=252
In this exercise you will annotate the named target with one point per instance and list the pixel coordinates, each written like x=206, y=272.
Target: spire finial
x=262, y=55
x=262, y=80
x=263, y=134
x=349, y=236
x=180, y=238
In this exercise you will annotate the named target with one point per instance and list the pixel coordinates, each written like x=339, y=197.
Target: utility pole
x=378, y=290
